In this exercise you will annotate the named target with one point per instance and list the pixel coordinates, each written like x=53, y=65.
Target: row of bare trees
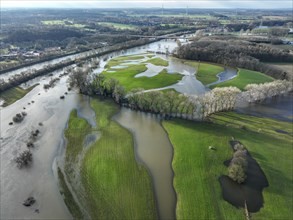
x=171, y=103
x=89, y=58
x=29, y=74
x=191, y=107
x=260, y=92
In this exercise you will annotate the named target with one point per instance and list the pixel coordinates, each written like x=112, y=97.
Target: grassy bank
x=12, y=95
x=206, y=72
x=244, y=78
x=119, y=60
x=68, y=198
x=126, y=77
x=158, y=62
x=197, y=168
x=115, y=186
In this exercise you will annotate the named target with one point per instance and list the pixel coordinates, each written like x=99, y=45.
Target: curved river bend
x=154, y=150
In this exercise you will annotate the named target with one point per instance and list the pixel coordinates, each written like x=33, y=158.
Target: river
x=152, y=146
x=39, y=180
x=154, y=150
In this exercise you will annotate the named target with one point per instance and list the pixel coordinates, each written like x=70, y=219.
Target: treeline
x=192, y=107
x=170, y=103
x=165, y=103
x=24, y=76
x=237, y=53
x=260, y=92
x=53, y=34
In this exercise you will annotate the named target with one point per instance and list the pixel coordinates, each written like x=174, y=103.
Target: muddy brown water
x=280, y=108
x=250, y=191
x=154, y=150
x=40, y=180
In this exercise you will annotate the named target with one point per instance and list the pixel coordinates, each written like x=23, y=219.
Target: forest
x=237, y=53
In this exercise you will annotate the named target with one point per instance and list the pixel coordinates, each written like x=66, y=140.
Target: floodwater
x=227, y=74
x=40, y=179
x=154, y=150
x=38, y=66
x=250, y=191
x=280, y=108
x=152, y=70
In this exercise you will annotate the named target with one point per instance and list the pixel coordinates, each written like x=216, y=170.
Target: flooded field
x=152, y=146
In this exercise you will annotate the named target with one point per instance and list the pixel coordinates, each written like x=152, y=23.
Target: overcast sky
x=268, y=4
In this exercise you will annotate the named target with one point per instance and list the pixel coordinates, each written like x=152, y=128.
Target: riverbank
x=206, y=72
x=197, y=168
x=12, y=95
x=21, y=78
x=115, y=185
x=45, y=59
x=245, y=77
x=128, y=69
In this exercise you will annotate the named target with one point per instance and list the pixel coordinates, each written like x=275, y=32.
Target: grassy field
x=118, y=25
x=244, y=78
x=116, y=187
x=12, y=95
x=158, y=62
x=67, y=23
x=119, y=60
x=197, y=168
x=126, y=76
x=68, y=198
x=206, y=72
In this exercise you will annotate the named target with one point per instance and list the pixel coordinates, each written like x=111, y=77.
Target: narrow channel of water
x=154, y=150
x=227, y=74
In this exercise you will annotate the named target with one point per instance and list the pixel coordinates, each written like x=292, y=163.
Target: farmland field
x=116, y=186
x=197, y=168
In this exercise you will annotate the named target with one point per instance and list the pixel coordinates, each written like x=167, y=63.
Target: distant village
x=23, y=53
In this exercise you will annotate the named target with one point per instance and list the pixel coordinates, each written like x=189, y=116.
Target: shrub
x=237, y=173
x=240, y=153
x=18, y=118
x=34, y=135
x=239, y=146
x=30, y=144
x=238, y=165
x=24, y=159
x=241, y=161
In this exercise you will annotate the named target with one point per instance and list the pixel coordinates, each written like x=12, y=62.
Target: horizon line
x=166, y=8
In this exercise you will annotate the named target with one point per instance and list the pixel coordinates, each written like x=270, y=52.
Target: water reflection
x=153, y=148
x=280, y=108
